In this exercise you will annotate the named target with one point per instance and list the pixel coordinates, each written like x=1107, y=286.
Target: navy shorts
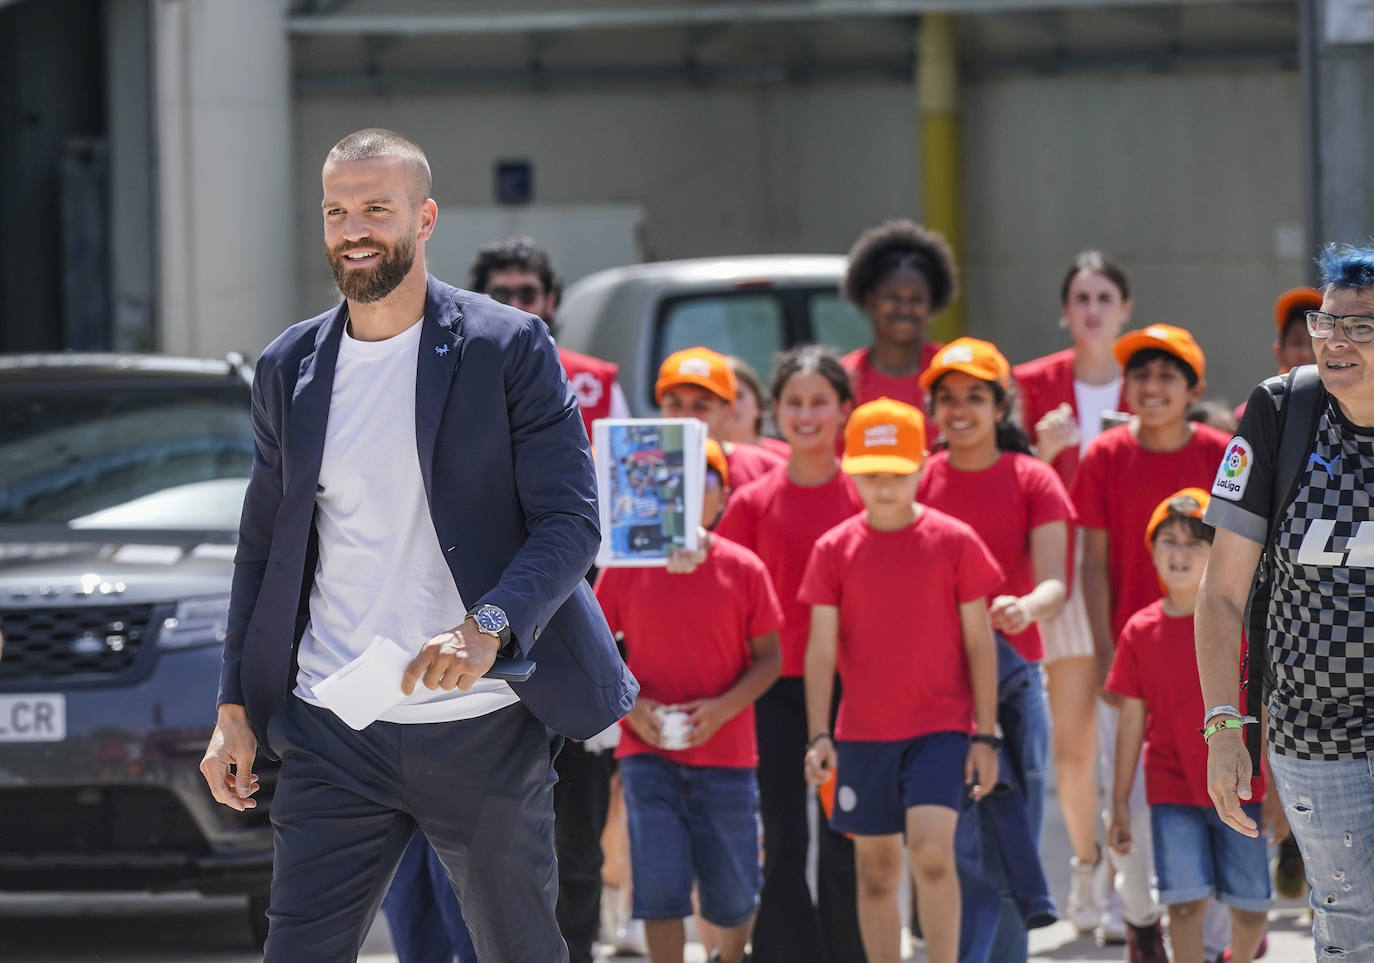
x=877, y=782
x=692, y=823
x=1196, y=855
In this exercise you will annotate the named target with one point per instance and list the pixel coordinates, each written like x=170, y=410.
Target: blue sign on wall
x=514, y=182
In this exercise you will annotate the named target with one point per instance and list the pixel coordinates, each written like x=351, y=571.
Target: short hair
x=1095, y=262
x=1346, y=266
x=806, y=359
x=881, y=250
x=1181, y=509
x=379, y=142
x=1145, y=355
x=518, y=252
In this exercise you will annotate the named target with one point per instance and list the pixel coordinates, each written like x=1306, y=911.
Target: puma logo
x=1328, y=465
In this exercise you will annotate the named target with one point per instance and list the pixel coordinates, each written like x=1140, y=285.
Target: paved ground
x=185, y=929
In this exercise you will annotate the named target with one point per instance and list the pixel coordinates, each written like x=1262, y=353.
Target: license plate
x=33, y=718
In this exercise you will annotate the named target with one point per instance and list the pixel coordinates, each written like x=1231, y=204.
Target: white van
x=750, y=306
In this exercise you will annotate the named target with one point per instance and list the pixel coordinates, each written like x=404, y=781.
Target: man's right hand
x=232, y=743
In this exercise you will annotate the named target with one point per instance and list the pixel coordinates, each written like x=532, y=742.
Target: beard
x=367, y=285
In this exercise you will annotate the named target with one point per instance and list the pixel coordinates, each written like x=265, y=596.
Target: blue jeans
x=1197, y=855
x=1001, y=879
x=1330, y=807
x=692, y=823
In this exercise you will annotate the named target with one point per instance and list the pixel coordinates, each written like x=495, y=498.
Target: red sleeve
x=820, y=584
x=765, y=609
x=1046, y=498
x=610, y=587
x=1124, y=675
x=1090, y=488
x=739, y=523
x=978, y=574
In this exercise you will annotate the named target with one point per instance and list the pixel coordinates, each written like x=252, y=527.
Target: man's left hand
x=455, y=659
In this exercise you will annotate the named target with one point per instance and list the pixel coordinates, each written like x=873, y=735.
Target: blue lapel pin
x=441, y=349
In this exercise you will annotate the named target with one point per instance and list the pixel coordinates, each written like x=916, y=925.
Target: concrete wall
x=715, y=170
x=1193, y=179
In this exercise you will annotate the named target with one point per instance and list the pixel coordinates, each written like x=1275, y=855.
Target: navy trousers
x=347, y=804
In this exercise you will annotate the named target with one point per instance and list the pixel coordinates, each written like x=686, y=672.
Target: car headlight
x=203, y=621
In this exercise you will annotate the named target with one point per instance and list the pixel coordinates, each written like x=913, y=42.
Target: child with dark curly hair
x=900, y=274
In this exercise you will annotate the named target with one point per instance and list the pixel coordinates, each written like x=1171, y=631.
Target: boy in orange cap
x=1293, y=345
x=703, y=643
x=899, y=601
x=1196, y=855
x=1124, y=473
x=698, y=383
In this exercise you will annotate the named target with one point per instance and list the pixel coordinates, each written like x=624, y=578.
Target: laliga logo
x=699, y=367
x=880, y=435
x=1235, y=461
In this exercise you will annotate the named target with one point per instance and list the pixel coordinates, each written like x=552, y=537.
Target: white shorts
x=1067, y=634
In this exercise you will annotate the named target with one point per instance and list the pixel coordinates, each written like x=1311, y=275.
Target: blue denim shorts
x=877, y=782
x=692, y=823
x=1196, y=855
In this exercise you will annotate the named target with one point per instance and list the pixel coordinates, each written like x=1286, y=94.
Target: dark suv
x=121, y=481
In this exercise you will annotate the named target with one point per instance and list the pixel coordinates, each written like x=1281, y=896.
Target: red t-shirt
x=870, y=384
x=1117, y=487
x=776, y=445
x=747, y=462
x=1002, y=504
x=780, y=521
x=901, y=647
x=1044, y=384
x=1155, y=661
x=687, y=637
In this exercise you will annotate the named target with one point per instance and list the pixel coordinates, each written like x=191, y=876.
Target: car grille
x=90, y=821
x=73, y=643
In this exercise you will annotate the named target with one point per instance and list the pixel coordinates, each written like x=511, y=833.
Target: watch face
x=490, y=619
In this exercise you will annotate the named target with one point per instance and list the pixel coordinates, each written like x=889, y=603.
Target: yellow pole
x=937, y=103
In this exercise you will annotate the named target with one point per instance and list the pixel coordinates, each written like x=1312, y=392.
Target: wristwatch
x=491, y=620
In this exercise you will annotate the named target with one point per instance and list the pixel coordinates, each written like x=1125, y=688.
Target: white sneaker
x=1112, y=932
x=1085, y=910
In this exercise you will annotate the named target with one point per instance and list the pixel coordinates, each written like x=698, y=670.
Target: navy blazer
x=508, y=474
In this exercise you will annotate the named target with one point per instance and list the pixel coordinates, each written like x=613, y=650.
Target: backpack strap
x=1300, y=397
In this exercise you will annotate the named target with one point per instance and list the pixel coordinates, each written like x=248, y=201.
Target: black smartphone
x=510, y=670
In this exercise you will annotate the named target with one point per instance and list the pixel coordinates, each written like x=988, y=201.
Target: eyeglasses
x=1358, y=328
x=520, y=294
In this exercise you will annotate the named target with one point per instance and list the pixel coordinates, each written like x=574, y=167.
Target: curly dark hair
x=881, y=250
x=518, y=252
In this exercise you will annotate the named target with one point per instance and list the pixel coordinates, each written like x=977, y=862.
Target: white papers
x=649, y=473
x=368, y=686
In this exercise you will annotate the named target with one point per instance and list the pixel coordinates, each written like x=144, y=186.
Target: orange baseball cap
x=1200, y=499
x=884, y=436
x=696, y=366
x=1295, y=299
x=978, y=359
x=715, y=459
x=1166, y=337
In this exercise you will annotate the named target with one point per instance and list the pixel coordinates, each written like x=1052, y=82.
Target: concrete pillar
x=1339, y=58
x=224, y=175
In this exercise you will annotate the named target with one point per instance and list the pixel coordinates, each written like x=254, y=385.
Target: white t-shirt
x=380, y=570
x=1091, y=401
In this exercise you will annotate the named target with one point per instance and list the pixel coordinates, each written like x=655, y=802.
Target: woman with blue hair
x=1317, y=552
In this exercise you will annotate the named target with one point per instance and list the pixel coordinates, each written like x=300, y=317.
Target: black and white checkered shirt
x=1321, y=622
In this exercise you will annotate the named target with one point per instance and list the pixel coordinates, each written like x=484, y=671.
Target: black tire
x=257, y=918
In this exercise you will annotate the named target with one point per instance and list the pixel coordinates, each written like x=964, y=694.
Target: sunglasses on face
x=1358, y=328
x=520, y=294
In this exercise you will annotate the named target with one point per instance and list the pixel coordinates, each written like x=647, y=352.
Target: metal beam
x=425, y=24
